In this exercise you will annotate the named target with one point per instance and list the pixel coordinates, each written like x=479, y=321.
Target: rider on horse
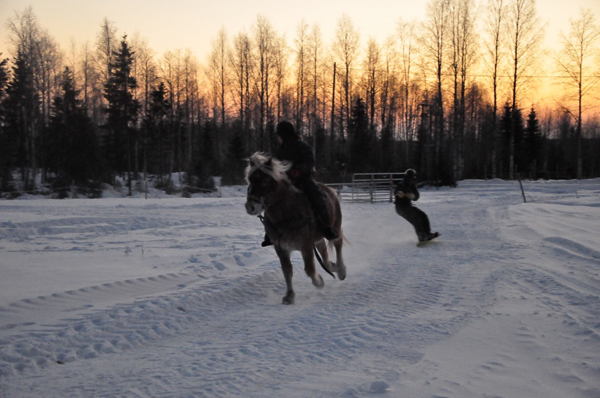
x=292, y=149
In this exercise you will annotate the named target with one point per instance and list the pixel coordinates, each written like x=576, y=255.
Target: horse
x=290, y=222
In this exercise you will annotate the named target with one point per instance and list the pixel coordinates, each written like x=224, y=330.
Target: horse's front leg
x=309, y=266
x=340, y=265
x=288, y=272
x=322, y=248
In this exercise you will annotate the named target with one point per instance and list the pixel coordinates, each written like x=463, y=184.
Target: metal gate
x=369, y=187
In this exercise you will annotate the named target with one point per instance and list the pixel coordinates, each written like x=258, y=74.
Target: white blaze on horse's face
x=254, y=205
x=262, y=175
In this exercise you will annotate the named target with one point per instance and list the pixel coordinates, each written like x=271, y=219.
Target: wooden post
x=521, y=184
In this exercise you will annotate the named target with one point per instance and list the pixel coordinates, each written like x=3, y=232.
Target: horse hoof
x=287, y=300
x=341, y=273
x=318, y=281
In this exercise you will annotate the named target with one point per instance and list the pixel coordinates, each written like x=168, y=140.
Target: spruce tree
x=533, y=143
x=71, y=148
x=22, y=108
x=512, y=123
x=157, y=141
x=233, y=173
x=5, y=175
x=122, y=111
x=360, y=145
x=3, y=79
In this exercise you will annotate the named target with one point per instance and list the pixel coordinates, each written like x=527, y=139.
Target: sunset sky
x=193, y=24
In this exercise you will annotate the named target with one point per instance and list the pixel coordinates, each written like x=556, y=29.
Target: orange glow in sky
x=193, y=24
x=180, y=24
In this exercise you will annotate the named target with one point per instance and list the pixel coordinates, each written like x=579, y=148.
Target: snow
x=174, y=297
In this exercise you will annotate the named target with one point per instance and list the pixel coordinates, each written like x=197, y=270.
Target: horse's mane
x=269, y=165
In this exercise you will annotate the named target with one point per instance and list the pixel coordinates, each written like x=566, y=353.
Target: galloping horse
x=289, y=220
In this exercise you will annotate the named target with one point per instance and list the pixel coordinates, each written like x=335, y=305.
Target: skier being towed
x=301, y=156
x=405, y=193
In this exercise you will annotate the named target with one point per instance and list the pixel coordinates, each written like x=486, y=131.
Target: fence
x=369, y=187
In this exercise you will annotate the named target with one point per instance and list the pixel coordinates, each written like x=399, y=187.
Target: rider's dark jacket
x=297, y=152
x=300, y=154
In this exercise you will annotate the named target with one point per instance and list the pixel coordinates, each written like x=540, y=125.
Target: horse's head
x=263, y=175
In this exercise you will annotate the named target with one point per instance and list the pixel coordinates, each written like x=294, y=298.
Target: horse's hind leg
x=288, y=272
x=309, y=266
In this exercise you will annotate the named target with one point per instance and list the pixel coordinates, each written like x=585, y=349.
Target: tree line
x=446, y=95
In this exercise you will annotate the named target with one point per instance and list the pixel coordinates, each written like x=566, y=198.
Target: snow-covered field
x=176, y=298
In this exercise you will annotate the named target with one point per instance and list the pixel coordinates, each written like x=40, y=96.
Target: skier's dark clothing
x=300, y=155
x=405, y=193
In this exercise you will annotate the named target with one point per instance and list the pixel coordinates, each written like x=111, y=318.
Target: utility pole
x=333, y=114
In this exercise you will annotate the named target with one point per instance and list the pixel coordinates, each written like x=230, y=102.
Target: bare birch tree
x=89, y=80
x=494, y=34
x=39, y=51
x=463, y=47
x=282, y=95
x=190, y=71
x=408, y=96
x=144, y=70
x=170, y=66
x=317, y=69
x=242, y=70
x=346, y=50
x=577, y=61
x=371, y=80
x=387, y=95
x=434, y=43
x=301, y=73
x=524, y=39
x=218, y=75
x=264, y=45
x=106, y=44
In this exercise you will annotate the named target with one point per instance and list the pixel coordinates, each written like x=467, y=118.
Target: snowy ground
x=176, y=298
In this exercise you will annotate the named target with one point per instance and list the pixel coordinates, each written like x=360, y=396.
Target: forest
x=448, y=95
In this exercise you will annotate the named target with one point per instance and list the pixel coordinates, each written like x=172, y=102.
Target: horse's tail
x=320, y=260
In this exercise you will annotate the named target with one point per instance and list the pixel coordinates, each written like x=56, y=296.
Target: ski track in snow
x=194, y=309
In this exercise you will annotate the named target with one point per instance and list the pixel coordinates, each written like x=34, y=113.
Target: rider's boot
x=266, y=241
